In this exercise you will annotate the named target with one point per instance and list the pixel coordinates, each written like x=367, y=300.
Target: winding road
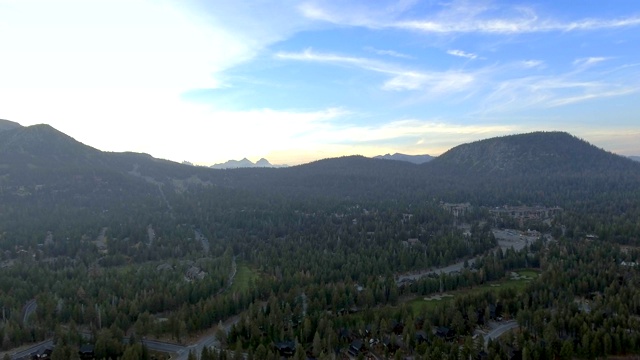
x=181, y=351
x=506, y=239
x=499, y=330
x=28, y=309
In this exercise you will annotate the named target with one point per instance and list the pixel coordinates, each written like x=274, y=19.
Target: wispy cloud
x=589, y=61
x=599, y=93
x=449, y=81
x=520, y=25
x=434, y=82
x=463, y=54
x=547, y=91
x=466, y=17
x=388, y=53
x=413, y=135
x=529, y=64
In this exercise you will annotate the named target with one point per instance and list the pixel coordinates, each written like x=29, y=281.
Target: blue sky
x=295, y=81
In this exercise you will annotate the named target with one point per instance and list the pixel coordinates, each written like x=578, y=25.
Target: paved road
x=26, y=352
x=206, y=341
x=499, y=330
x=506, y=239
x=28, y=309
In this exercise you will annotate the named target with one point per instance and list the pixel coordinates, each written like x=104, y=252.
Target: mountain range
x=49, y=180
x=264, y=163
x=415, y=159
x=246, y=163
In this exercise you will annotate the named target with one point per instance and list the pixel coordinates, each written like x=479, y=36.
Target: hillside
x=538, y=168
x=199, y=246
x=529, y=155
x=42, y=168
x=415, y=159
x=245, y=163
x=8, y=125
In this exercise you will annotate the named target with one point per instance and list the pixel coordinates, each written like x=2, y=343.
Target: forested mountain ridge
x=537, y=155
x=8, y=125
x=545, y=168
x=551, y=168
x=121, y=243
x=530, y=154
x=416, y=159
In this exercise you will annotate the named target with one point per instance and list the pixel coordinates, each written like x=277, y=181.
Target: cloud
x=354, y=13
x=602, y=93
x=436, y=83
x=413, y=136
x=461, y=53
x=459, y=17
x=532, y=63
x=547, y=91
x=433, y=82
x=389, y=53
x=137, y=43
x=584, y=63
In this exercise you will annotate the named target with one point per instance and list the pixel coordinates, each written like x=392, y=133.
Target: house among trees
x=356, y=347
x=526, y=212
x=421, y=337
x=392, y=343
x=86, y=352
x=445, y=333
x=457, y=209
x=194, y=273
x=285, y=348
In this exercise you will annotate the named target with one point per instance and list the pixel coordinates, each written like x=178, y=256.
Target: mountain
x=45, y=174
x=245, y=163
x=41, y=146
x=8, y=125
x=547, y=168
x=530, y=154
x=415, y=159
x=634, y=158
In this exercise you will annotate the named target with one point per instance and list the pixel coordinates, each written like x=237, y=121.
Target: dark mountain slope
x=534, y=154
x=349, y=176
x=553, y=169
x=547, y=163
x=8, y=125
x=415, y=159
x=43, y=146
x=43, y=170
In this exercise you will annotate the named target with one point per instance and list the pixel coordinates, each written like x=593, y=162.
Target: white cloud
x=546, y=91
x=602, y=93
x=78, y=44
x=436, y=83
x=462, y=17
x=412, y=136
x=461, y=53
x=587, y=62
x=389, y=53
x=532, y=63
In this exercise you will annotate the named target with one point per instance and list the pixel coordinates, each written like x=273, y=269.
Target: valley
x=331, y=259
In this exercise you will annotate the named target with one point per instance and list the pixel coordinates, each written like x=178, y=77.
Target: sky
x=296, y=81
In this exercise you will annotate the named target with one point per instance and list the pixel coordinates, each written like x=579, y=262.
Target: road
x=210, y=340
x=206, y=341
x=165, y=347
x=506, y=239
x=28, y=309
x=499, y=330
x=26, y=352
x=181, y=351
